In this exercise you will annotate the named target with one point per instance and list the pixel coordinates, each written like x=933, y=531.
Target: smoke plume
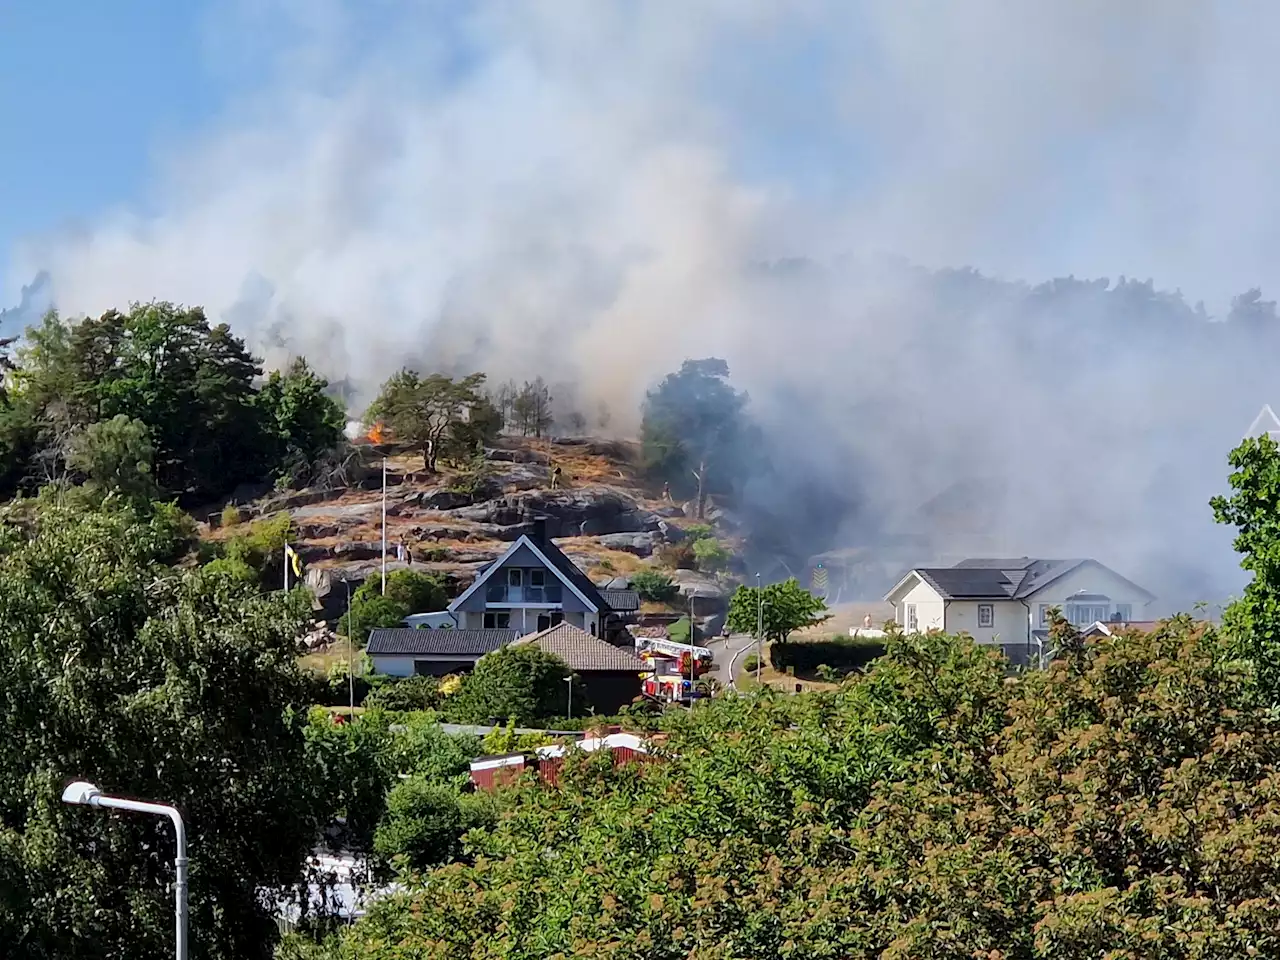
x=594, y=190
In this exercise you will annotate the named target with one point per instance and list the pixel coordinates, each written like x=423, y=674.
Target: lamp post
x=569, y=681
x=87, y=794
x=759, y=627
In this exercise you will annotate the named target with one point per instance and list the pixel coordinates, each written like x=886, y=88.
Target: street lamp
x=759, y=628
x=86, y=794
x=569, y=681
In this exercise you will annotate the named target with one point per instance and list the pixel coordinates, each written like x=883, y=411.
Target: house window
x=911, y=616
x=986, y=615
x=537, y=578
x=497, y=621
x=1084, y=614
x=1124, y=612
x=1044, y=614
x=515, y=576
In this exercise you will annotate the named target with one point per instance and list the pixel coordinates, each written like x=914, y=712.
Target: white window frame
x=515, y=576
x=990, y=619
x=1044, y=614
x=909, y=614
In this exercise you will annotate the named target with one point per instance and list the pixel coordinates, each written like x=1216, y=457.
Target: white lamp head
x=81, y=792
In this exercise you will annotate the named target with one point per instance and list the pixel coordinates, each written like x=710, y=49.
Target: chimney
x=540, y=530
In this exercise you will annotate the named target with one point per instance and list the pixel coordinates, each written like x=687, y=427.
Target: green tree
x=370, y=613
x=151, y=682
x=426, y=411
x=163, y=365
x=711, y=554
x=116, y=456
x=408, y=591
x=519, y=682
x=693, y=425
x=425, y=822
x=787, y=607
x=654, y=585
x=301, y=420
x=532, y=408
x=1253, y=509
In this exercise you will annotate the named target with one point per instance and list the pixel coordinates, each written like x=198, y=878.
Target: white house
x=1006, y=601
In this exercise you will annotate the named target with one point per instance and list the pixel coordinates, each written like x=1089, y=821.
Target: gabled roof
x=582, y=652
x=404, y=641
x=621, y=601
x=980, y=578
x=1265, y=422
x=555, y=560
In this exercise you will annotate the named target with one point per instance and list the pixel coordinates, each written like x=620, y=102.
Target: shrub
x=711, y=555
x=522, y=683
x=425, y=822
x=840, y=655
x=750, y=663
x=680, y=630
x=654, y=586
x=698, y=531
x=411, y=693
x=677, y=556
x=230, y=515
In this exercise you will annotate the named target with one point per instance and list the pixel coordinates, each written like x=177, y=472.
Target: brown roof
x=584, y=653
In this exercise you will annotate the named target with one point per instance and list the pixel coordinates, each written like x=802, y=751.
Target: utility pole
x=351, y=655
x=384, y=526
x=759, y=627
x=692, y=634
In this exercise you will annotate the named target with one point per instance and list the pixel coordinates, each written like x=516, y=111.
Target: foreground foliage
x=1124, y=803
x=156, y=683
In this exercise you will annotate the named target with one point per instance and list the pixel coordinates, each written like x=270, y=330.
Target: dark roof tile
x=404, y=641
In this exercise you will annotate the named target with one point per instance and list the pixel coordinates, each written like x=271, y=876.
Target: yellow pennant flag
x=295, y=561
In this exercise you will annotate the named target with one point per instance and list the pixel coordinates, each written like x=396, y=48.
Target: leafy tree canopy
x=302, y=421
x=1253, y=508
x=428, y=411
x=519, y=682
x=1122, y=803
x=787, y=607
x=694, y=427
x=155, y=683
x=117, y=457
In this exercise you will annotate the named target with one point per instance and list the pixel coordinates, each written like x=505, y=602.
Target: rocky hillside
x=601, y=514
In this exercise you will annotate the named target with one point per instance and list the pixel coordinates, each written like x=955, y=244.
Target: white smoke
x=582, y=189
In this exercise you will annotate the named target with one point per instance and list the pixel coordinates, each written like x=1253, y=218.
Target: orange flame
x=377, y=433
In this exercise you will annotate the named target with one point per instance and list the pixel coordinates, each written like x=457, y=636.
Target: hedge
x=843, y=654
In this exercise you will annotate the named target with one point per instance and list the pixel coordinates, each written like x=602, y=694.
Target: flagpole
x=384, y=526
x=286, y=568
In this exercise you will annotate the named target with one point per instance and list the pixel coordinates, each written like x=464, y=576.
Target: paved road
x=728, y=654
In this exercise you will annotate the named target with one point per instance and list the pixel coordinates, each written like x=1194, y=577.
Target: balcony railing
x=505, y=593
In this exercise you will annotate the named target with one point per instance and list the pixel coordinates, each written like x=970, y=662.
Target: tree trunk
x=701, y=475
x=429, y=456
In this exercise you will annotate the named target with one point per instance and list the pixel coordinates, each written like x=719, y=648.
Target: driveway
x=728, y=654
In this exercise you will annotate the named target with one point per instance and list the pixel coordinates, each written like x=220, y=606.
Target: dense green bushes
x=842, y=654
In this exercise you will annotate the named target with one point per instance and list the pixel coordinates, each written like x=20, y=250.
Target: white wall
x=929, y=607
x=1008, y=621
x=1091, y=578
x=393, y=666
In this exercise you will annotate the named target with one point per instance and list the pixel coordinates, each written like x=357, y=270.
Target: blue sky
x=87, y=90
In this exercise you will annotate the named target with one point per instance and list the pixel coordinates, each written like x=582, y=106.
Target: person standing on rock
x=555, y=478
